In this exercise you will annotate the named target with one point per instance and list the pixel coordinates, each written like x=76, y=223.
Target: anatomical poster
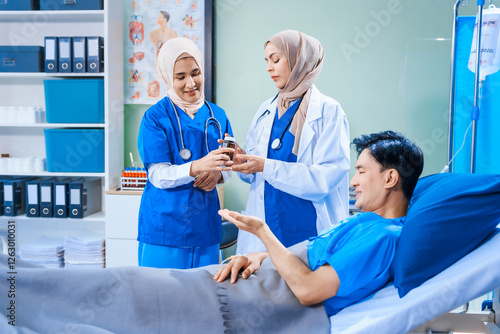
x=148, y=24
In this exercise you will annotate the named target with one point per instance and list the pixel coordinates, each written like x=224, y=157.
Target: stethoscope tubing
x=276, y=143
x=184, y=152
x=265, y=113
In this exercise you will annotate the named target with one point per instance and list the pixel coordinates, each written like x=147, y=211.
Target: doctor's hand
x=216, y=160
x=238, y=153
x=237, y=150
x=207, y=180
x=248, y=164
x=244, y=264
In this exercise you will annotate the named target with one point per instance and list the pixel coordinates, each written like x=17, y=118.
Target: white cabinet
x=121, y=227
x=27, y=89
x=122, y=212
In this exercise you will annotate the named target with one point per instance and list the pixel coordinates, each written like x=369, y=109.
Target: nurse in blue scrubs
x=297, y=151
x=178, y=142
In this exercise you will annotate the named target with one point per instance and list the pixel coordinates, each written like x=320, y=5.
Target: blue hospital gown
x=361, y=250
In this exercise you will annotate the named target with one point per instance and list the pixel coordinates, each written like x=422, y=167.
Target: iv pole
x=452, y=83
x=475, y=108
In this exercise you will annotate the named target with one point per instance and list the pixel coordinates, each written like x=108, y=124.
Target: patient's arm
x=310, y=287
x=248, y=263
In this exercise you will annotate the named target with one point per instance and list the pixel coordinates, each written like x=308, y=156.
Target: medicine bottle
x=229, y=142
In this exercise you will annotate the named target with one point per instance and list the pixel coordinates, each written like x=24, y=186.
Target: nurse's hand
x=216, y=160
x=248, y=164
x=207, y=180
x=244, y=264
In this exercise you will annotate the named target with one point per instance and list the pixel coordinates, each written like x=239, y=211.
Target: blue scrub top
x=361, y=250
x=291, y=219
x=183, y=216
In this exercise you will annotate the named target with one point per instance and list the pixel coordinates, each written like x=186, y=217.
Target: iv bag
x=490, y=43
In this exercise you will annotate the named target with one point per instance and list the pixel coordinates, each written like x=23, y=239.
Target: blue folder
x=65, y=54
x=33, y=198
x=51, y=54
x=46, y=203
x=79, y=54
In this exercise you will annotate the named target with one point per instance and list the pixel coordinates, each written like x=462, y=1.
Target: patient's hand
x=250, y=224
x=248, y=263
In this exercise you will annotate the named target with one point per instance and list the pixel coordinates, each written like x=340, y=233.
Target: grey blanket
x=149, y=300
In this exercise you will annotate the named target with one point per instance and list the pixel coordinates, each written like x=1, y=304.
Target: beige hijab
x=305, y=56
x=171, y=51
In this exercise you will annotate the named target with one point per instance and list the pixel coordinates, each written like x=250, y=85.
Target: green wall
x=386, y=61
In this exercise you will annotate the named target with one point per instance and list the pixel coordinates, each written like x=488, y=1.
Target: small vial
x=126, y=175
x=229, y=142
x=133, y=175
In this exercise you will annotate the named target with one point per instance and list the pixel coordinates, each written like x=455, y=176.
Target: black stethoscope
x=186, y=153
x=276, y=144
x=265, y=113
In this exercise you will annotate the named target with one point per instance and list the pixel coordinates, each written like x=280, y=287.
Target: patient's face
x=369, y=183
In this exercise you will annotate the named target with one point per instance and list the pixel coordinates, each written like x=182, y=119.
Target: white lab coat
x=320, y=173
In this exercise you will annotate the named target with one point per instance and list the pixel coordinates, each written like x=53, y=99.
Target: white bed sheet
x=474, y=275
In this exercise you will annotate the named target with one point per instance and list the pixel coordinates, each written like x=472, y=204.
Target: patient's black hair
x=165, y=14
x=393, y=150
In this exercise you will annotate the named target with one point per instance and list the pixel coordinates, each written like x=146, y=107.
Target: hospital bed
x=426, y=308
x=423, y=310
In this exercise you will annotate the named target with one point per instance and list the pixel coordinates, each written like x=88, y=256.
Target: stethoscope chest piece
x=185, y=154
x=276, y=144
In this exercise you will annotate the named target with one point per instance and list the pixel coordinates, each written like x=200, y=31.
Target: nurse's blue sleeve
x=153, y=142
x=364, y=258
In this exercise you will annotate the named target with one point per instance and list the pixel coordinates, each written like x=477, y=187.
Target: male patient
x=346, y=264
x=351, y=261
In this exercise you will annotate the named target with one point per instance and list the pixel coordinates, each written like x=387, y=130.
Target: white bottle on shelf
x=3, y=115
x=11, y=115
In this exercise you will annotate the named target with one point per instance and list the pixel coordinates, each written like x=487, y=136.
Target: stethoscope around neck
x=186, y=153
x=276, y=144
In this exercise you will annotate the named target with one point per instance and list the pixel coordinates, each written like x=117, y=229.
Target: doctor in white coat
x=297, y=148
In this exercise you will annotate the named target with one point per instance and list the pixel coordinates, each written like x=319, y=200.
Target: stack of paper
x=47, y=252
x=86, y=251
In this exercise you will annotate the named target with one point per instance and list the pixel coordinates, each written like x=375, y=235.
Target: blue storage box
x=71, y=4
x=19, y=4
x=74, y=100
x=21, y=58
x=75, y=150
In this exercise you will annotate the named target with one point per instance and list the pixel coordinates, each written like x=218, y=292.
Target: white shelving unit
x=27, y=89
x=52, y=125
